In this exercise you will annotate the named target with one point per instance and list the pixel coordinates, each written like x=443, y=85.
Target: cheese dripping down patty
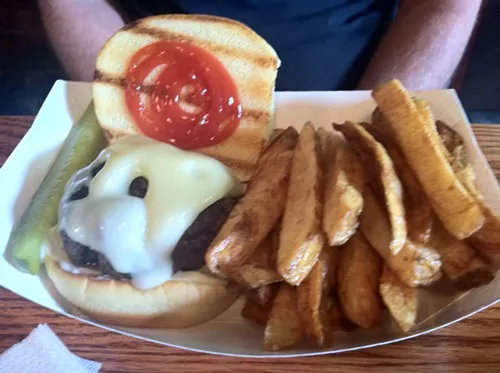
x=137, y=235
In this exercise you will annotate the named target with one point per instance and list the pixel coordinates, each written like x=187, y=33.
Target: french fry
x=334, y=253
x=461, y=264
x=260, y=270
x=416, y=264
x=337, y=317
x=313, y=302
x=284, y=326
x=253, y=275
x=425, y=112
x=418, y=210
x=338, y=321
x=454, y=146
x=327, y=145
x=343, y=190
x=258, y=211
x=264, y=295
x=400, y=299
x=358, y=273
x=376, y=160
x=255, y=313
x=422, y=107
x=419, y=213
x=274, y=134
x=335, y=314
x=258, y=304
x=487, y=239
x=301, y=239
x=455, y=207
x=379, y=126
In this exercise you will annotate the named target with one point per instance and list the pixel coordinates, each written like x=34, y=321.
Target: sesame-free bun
x=249, y=59
x=179, y=303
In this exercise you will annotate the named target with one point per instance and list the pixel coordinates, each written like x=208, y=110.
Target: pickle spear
x=84, y=142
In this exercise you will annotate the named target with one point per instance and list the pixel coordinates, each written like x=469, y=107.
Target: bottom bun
x=184, y=301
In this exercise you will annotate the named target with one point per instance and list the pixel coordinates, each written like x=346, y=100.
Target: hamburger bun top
x=249, y=59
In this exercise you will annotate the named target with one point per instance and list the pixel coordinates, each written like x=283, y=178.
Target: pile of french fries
x=335, y=225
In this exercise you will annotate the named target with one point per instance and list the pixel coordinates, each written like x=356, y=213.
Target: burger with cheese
x=186, y=103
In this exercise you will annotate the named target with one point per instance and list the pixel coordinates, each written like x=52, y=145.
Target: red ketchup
x=185, y=73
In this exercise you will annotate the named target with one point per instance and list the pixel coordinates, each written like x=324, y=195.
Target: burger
x=186, y=103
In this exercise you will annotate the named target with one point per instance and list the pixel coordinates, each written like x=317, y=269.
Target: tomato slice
x=179, y=93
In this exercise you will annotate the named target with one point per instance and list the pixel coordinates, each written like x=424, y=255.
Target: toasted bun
x=175, y=304
x=249, y=59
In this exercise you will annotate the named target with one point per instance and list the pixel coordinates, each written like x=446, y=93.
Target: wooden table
x=472, y=345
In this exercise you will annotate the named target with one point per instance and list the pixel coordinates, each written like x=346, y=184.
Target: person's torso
x=323, y=44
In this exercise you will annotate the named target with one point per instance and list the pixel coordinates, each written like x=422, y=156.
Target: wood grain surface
x=472, y=345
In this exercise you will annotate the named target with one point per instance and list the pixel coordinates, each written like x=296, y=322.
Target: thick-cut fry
x=358, y=274
x=460, y=262
x=419, y=213
x=264, y=295
x=255, y=313
x=301, y=238
x=455, y=207
x=487, y=239
x=400, y=299
x=337, y=317
x=275, y=243
x=425, y=112
x=454, y=146
x=423, y=108
x=415, y=264
x=258, y=304
x=274, y=134
x=343, y=190
x=258, y=210
x=335, y=314
x=284, y=327
x=313, y=302
x=378, y=162
x=327, y=145
x=334, y=254
x=379, y=125
x=260, y=269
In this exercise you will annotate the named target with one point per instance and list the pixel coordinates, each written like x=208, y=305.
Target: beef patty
x=188, y=254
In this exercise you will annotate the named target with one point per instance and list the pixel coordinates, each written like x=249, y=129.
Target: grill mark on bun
x=256, y=115
x=212, y=19
x=102, y=77
x=247, y=114
x=237, y=164
x=105, y=78
x=242, y=161
x=262, y=61
x=201, y=18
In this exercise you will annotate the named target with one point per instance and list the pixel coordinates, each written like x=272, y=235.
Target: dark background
x=28, y=68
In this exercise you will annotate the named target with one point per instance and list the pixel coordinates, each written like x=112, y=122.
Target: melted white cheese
x=138, y=235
